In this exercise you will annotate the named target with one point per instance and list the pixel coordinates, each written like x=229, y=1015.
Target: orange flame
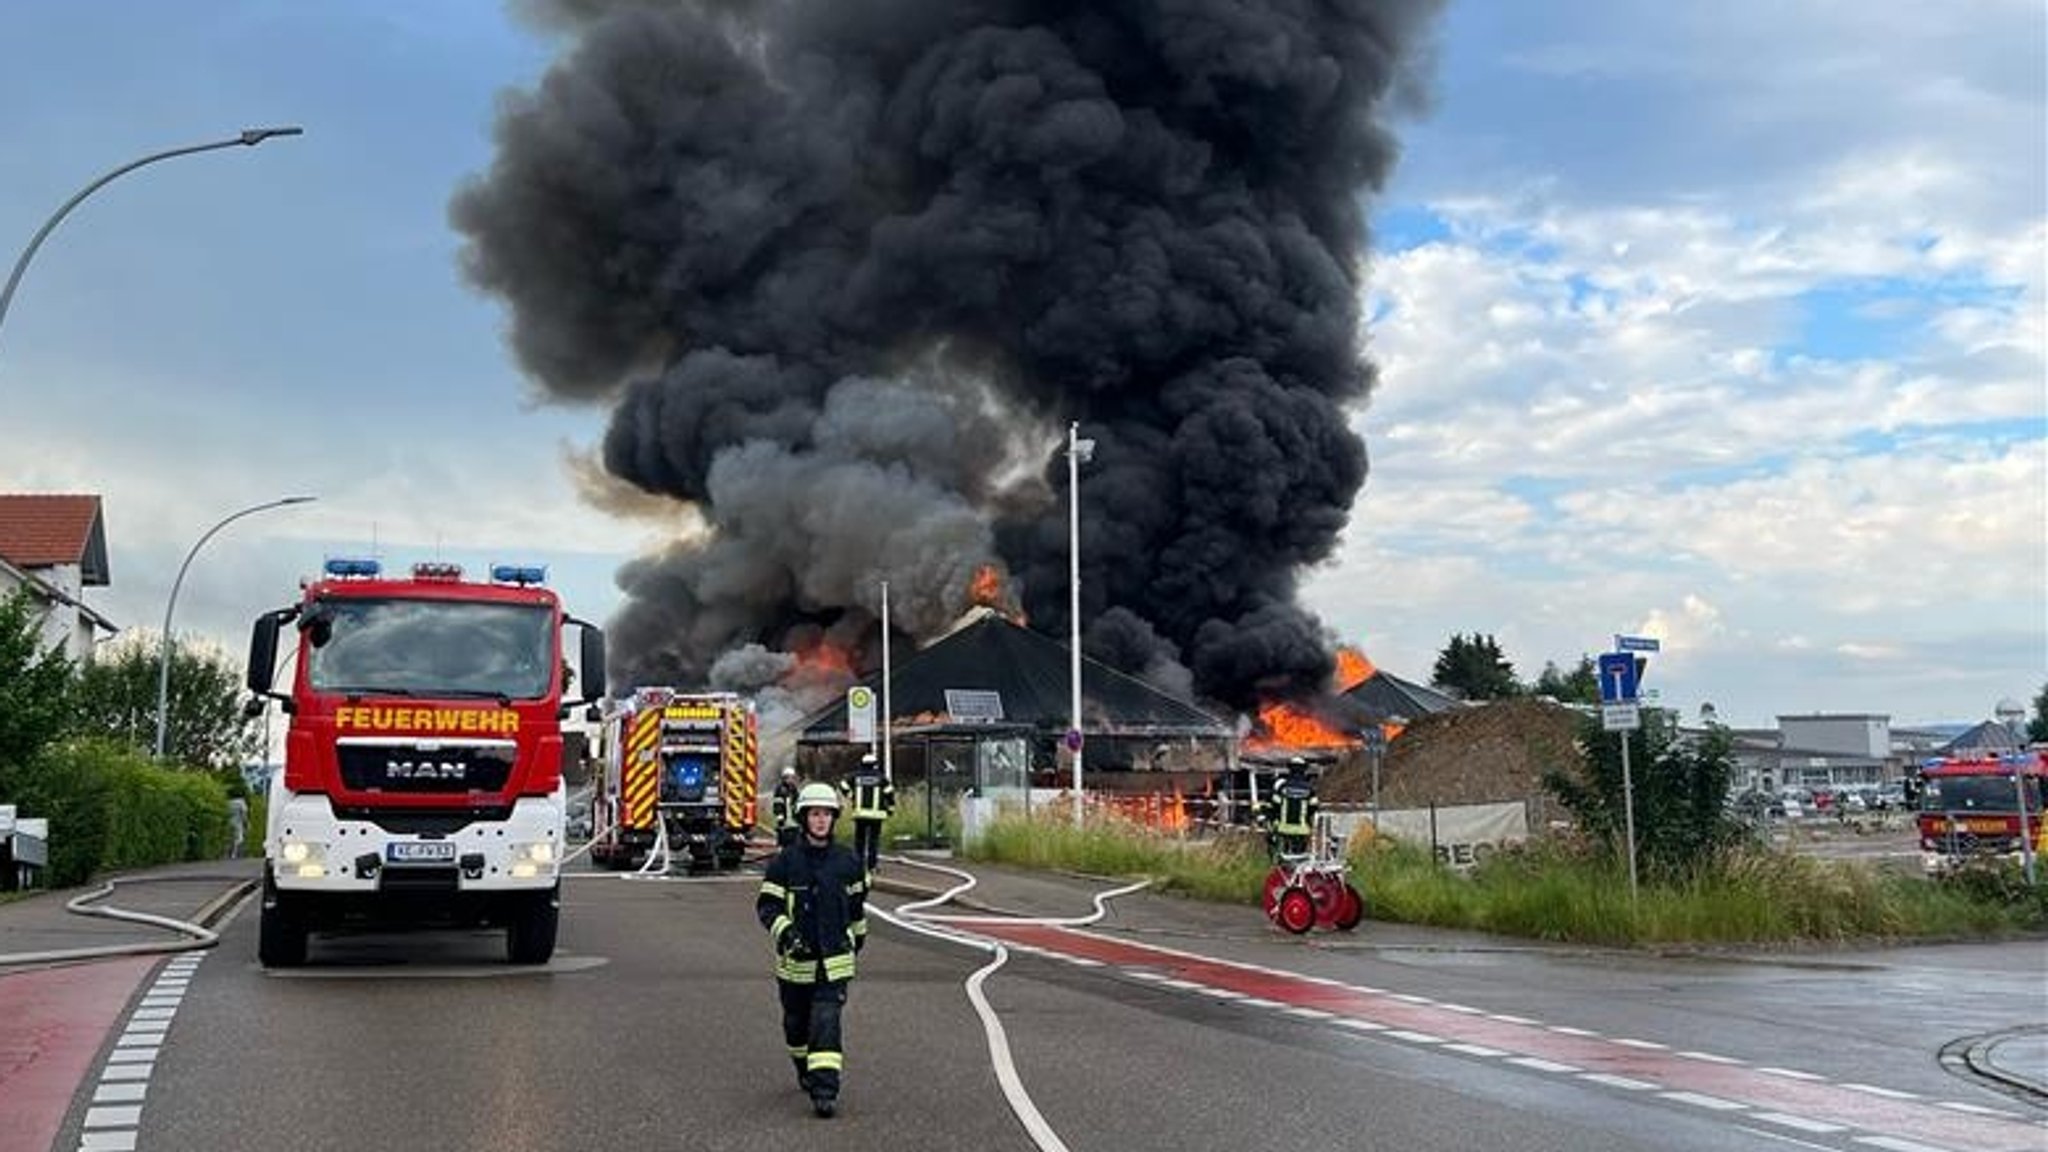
x=1353, y=669
x=1282, y=725
x=990, y=589
x=1158, y=811
x=986, y=588
x=823, y=660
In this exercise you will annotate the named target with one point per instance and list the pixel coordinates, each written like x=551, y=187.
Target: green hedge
x=110, y=807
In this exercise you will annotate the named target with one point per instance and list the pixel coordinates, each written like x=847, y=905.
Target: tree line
x=1474, y=668
x=77, y=743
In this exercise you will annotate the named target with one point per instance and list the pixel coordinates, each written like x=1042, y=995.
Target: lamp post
x=247, y=138
x=163, y=664
x=1078, y=451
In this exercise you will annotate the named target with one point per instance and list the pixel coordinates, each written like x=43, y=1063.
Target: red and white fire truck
x=680, y=770
x=422, y=781
x=1982, y=806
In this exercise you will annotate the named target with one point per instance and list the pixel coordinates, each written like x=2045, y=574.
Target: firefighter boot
x=803, y=1075
x=823, y=1106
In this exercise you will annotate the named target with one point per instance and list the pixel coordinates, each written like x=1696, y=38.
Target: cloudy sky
x=1719, y=323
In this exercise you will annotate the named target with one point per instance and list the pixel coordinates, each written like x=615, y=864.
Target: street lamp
x=1079, y=451
x=163, y=664
x=247, y=138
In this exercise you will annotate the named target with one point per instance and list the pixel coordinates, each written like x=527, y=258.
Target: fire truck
x=1982, y=806
x=422, y=781
x=681, y=771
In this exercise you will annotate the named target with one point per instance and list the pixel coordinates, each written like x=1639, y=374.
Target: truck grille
x=375, y=764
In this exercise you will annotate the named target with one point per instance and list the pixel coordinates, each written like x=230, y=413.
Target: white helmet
x=817, y=796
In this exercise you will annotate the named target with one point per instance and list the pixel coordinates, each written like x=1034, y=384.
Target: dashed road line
x=113, y=1118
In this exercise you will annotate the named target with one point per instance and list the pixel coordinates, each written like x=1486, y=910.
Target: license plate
x=420, y=852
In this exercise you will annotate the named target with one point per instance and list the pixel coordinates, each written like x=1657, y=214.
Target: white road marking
x=1800, y=1122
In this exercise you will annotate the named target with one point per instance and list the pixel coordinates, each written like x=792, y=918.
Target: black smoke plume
x=844, y=269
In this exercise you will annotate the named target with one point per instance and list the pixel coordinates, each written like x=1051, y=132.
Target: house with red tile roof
x=56, y=547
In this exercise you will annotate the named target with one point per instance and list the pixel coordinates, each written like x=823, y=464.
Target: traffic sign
x=860, y=714
x=1617, y=678
x=1635, y=643
x=1620, y=717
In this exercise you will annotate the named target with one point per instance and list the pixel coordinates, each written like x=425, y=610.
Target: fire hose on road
x=913, y=917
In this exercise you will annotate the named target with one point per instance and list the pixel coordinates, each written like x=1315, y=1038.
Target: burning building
x=842, y=273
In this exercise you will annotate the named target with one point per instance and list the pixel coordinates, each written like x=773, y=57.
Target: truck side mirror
x=590, y=658
x=262, y=653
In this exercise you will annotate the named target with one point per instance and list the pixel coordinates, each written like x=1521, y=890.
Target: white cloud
x=1611, y=412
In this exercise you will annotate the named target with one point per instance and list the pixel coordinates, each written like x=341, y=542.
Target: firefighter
x=1291, y=809
x=873, y=797
x=813, y=901
x=783, y=809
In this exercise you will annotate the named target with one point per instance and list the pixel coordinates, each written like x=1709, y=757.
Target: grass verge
x=1553, y=893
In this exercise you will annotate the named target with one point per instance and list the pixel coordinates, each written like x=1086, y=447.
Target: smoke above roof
x=843, y=272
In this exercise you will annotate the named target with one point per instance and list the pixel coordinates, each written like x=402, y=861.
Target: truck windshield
x=1977, y=794
x=429, y=648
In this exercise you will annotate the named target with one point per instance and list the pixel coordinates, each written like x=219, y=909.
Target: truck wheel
x=280, y=937
x=530, y=938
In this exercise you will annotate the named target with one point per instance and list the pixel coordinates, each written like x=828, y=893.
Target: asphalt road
x=1193, y=1027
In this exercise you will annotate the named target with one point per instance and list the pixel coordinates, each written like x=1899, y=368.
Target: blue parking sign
x=1617, y=677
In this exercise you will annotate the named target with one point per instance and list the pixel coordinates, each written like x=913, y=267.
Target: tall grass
x=1550, y=892
x=1222, y=870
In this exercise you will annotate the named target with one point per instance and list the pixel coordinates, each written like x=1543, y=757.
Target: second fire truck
x=1982, y=806
x=680, y=769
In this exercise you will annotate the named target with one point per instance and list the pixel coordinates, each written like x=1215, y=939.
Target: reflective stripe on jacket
x=782, y=809
x=870, y=794
x=1294, y=808
x=822, y=892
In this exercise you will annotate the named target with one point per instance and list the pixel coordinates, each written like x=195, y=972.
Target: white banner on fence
x=1463, y=834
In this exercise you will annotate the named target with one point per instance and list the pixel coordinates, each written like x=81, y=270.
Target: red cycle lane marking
x=52, y=1024
x=1668, y=1070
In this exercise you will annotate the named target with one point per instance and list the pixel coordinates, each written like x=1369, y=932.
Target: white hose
x=912, y=917
x=79, y=905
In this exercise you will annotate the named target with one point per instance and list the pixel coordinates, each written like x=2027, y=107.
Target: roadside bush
x=110, y=807
x=2002, y=883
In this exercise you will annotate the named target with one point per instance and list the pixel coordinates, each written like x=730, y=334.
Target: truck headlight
x=306, y=859
x=302, y=852
x=531, y=858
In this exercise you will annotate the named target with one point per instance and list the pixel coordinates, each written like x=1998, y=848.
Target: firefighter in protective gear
x=873, y=797
x=782, y=809
x=813, y=901
x=1291, y=809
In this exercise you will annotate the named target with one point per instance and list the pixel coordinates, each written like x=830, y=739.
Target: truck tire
x=280, y=936
x=530, y=937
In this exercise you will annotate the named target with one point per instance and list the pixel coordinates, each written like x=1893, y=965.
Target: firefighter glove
x=788, y=941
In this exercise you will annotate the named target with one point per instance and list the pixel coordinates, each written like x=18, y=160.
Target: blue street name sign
x=1617, y=678
x=1635, y=643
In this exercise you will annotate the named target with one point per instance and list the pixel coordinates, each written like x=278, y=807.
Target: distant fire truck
x=680, y=769
x=1983, y=806
x=422, y=781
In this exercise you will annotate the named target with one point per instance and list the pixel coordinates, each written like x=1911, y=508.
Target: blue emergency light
x=346, y=567
x=519, y=573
